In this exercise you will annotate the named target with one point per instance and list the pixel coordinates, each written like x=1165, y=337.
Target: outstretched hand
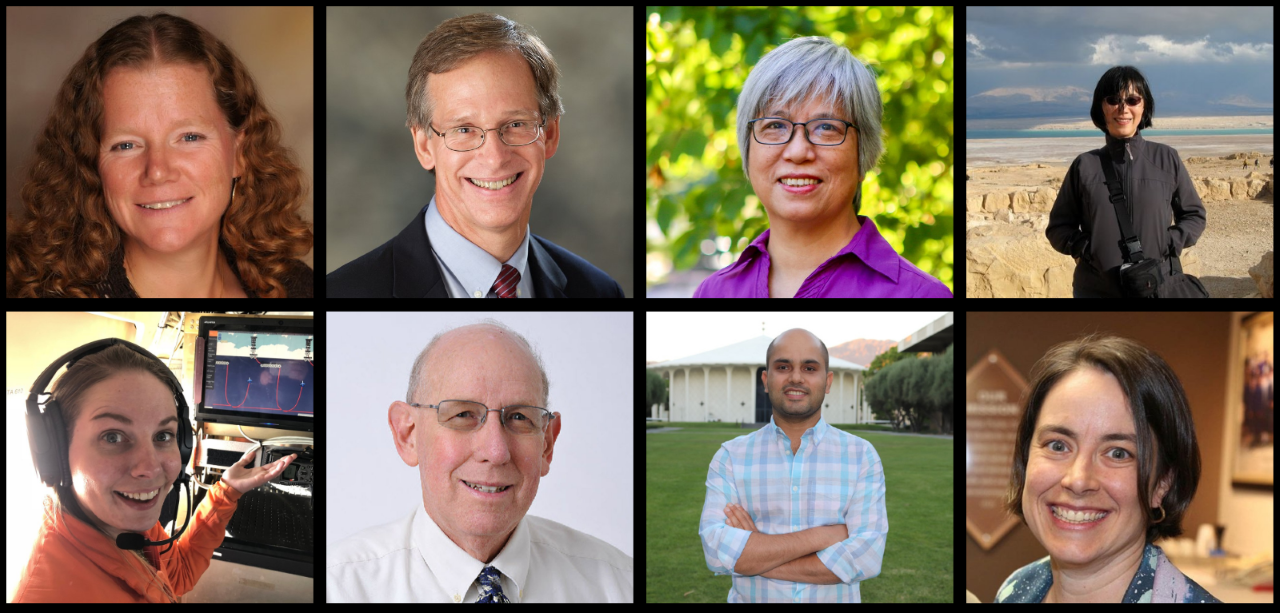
x=243, y=478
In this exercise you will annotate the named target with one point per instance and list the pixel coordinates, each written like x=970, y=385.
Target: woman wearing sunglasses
x=1129, y=205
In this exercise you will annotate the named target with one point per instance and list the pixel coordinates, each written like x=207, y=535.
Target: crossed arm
x=788, y=557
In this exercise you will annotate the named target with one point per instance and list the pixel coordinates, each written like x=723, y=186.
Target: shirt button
x=479, y=294
x=457, y=598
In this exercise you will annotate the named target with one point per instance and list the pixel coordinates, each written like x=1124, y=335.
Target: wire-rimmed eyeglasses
x=469, y=416
x=825, y=131
x=516, y=133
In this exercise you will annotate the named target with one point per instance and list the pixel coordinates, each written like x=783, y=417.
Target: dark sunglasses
x=1131, y=100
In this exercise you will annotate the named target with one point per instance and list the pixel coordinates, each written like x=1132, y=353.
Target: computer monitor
x=256, y=371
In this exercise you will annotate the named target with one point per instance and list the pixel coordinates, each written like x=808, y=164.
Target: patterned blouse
x=1157, y=580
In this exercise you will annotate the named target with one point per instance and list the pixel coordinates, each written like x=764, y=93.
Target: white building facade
x=724, y=385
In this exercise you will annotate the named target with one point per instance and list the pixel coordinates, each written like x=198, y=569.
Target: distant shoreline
x=1061, y=151
x=1163, y=123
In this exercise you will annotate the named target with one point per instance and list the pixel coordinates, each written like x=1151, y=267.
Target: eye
x=192, y=137
x=110, y=434
x=122, y=147
x=1126, y=455
x=1053, y=446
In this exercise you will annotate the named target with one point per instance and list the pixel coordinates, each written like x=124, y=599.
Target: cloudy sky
x=1214, y=60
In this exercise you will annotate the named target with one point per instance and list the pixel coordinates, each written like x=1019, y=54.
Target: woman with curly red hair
x=160, y=173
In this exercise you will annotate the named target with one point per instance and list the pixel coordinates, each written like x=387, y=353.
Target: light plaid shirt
x=834, y=478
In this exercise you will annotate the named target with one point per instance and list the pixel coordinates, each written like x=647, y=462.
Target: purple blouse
x=865, y=268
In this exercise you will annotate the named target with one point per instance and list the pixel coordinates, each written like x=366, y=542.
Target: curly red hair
x=65, y=245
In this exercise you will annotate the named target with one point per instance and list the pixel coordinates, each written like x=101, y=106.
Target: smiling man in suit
x=484, y=111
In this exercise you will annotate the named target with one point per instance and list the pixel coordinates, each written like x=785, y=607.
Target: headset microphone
x=133, y=540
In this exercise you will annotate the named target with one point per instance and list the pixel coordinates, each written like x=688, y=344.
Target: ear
x=553, y=432
x=403, y=427
x=421, y=136
x=1163, y=488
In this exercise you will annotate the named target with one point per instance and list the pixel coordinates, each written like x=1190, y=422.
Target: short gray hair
x=814, y=66
x=417, y=379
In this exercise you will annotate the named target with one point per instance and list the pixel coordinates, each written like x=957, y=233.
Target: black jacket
x=1168, y=215
x=404, y=267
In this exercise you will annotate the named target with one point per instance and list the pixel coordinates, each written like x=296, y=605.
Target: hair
x=815, y=68
x=1115, y=82
x=459, y=39
x=826, y=357
x=65, y=245
x=1166, y=436
x=418, y=377
x=69, y=391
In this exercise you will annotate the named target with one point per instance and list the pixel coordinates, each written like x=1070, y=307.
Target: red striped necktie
x=505, y=286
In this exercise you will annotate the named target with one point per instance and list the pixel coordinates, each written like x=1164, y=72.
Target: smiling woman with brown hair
x=160, y=173
x=1105, y=463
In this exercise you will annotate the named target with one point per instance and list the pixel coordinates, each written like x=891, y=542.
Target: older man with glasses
x=809, y=130
x=475, y=426
x=484, y=112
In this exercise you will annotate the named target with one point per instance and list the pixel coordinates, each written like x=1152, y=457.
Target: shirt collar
x=456, y=570
x=816, y=433
x=472, y=266
x=866, y=245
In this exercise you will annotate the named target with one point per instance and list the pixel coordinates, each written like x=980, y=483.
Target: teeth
x=163, y=205
x=1077, y=517
x=494, y=184
x=142, y=497
x=487, y=490
x=799, y=182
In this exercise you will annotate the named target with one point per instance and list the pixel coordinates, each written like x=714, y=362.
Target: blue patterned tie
x=490, y=589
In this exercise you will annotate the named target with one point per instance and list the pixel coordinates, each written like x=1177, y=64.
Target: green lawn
x=919, y=488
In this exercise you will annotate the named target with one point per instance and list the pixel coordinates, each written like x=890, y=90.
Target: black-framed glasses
x=469, y=416
x=824, y=131
x=516, y=133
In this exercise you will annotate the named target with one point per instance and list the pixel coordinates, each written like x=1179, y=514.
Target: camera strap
x=1130, y=246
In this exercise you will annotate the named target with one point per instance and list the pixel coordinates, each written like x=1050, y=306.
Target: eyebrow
x=129, y=422
x=182, y=125
x=508, y=114
x=788, y=361
x=1068, y=432
x=828, y=114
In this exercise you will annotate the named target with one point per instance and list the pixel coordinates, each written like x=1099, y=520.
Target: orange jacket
x=73, y=562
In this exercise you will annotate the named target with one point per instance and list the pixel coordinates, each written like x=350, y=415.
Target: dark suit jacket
x=404, y=267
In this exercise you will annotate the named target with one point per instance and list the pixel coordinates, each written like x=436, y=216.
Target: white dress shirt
x=468, y=270
x=411, y=560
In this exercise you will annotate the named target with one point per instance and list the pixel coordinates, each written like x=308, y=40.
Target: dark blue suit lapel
x=415, y=273
x=548, y=279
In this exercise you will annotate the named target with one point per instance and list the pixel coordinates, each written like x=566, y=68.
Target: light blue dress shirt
x=834, y=478
x=468, y=270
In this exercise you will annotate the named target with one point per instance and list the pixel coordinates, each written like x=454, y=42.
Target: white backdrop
x=589, y=361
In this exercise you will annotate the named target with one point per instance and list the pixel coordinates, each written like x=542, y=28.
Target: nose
x=159, y=165
x=146, y=461
x=799, y=148
x=492, y=440
x=1079, y=477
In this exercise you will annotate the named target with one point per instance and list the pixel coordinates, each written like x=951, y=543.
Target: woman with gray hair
x=817, y=246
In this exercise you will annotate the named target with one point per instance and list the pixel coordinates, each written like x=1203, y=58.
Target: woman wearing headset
x=122, y=433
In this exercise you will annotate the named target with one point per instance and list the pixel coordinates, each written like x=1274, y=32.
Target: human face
x=487, y=91
x=797, y=379
x=109, y=456
x=1091, y=469
x=483, y=364
x=165, y=140
x=836, y=169
x=1123, y=119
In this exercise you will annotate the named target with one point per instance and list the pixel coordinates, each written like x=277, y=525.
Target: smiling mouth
x=168, y=204
x=1077, y=517
x=486, y=489
x=495, y=185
